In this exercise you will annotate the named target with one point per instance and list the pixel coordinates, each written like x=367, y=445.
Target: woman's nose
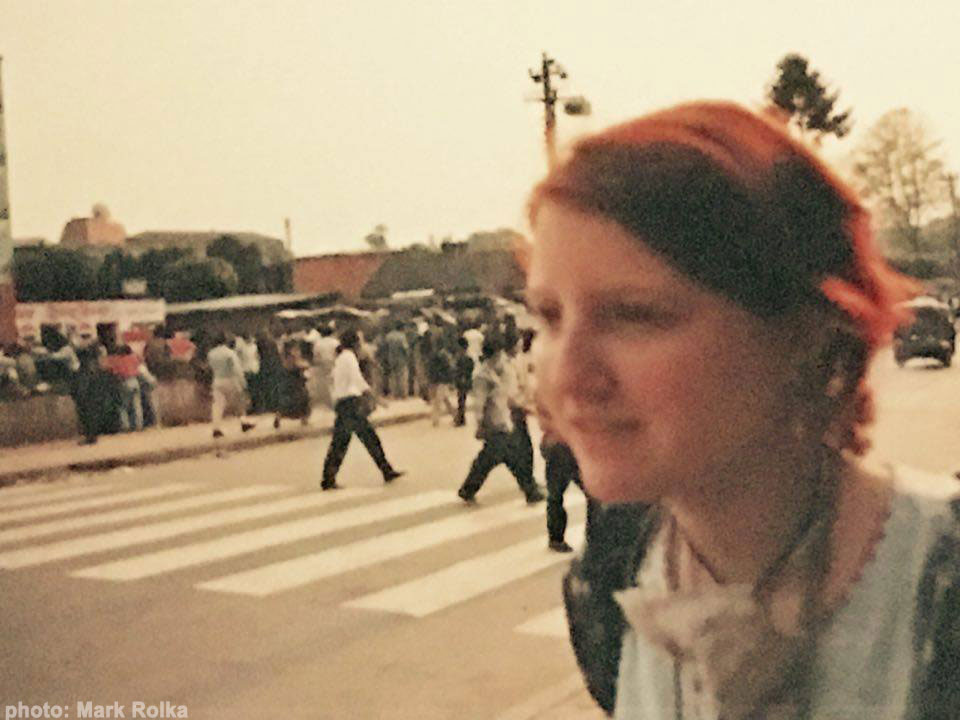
x=580, y=370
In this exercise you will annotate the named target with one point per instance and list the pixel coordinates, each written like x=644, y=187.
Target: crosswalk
x=200, y=526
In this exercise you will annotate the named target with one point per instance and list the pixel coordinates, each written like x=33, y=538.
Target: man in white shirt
x=324, y=355
x=349, y=386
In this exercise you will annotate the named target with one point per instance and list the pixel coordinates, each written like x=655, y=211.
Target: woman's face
x=661, y=387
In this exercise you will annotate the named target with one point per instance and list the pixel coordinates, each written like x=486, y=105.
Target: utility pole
x=550, y=68
x=954, y=223
x=8, y=330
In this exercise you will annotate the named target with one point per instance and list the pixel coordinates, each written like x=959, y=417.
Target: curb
x=158, y=457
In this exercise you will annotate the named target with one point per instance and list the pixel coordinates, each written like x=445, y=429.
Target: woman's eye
x=636, y=315
x=548, y=315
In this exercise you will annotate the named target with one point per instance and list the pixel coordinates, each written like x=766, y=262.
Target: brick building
x=380, y=274
x=344, y=273
x=97, y=230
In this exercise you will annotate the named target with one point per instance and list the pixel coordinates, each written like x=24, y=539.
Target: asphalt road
x=225, y=586
x=234, y=589
x=918, y=414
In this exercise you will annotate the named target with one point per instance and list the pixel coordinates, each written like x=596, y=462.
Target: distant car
x=930, y=335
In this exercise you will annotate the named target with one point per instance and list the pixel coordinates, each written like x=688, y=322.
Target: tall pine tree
x=800, y=95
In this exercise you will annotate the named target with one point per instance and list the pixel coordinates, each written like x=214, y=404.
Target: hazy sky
x=233, y=114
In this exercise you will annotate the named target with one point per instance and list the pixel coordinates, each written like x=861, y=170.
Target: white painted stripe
x=232, y=545
x=44, y=492
x=39, y=554
x=552, y=623
x=74, y=505
x=296, y=572
x=546, y=702
x=137, y=513
x=464, y=580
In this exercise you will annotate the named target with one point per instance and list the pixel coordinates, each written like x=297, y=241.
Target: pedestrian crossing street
x=42, y=525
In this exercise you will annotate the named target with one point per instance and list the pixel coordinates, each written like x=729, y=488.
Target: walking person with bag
x=495, y=429
x=350, y=391
x=519, y=396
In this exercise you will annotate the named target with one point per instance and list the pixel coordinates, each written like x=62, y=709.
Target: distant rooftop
x=29, y=242
x=247, y=302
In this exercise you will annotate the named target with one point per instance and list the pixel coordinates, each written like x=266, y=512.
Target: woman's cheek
x=543, y=373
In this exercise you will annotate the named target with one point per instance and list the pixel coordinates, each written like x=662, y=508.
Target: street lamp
x=572, y=105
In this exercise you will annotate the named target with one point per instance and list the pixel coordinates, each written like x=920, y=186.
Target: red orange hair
x=734, y=202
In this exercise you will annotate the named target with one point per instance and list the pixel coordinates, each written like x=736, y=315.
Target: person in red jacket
x=124, y=364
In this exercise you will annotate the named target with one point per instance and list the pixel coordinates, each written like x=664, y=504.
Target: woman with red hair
x=710, y=298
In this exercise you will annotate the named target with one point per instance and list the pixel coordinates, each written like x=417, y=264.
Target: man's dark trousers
x=498, y=447
x=561, y=470
x=348, y=421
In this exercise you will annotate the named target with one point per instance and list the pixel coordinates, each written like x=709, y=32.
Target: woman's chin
x=611, y=484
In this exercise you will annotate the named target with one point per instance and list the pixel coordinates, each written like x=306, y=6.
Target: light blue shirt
x=865, y=660
x=225, y=365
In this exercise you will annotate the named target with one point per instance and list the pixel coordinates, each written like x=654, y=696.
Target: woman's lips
x=603, y=426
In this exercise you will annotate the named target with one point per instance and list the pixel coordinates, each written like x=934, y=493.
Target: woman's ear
x=836, y=389
x=832, y=356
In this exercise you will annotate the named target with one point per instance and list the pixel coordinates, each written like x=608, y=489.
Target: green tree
x=803, y=98
x=245, y=259
x=376, y=239
x=189, y=279
x=116, y=267
x=153, y=265
x=53, y=274
x=278, y=278
x=899, y=167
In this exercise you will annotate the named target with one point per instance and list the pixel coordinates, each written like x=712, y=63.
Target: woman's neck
x=739, y=528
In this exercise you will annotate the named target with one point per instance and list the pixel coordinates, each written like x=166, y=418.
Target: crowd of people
x=111, y=385
x=437, y=362
x=287, y=373
x=444, y=364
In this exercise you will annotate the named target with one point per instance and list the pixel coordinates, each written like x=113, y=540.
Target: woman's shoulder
x=931, y=500
x=931, y=503
x=920, y=523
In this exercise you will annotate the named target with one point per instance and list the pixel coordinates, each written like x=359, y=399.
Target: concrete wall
x=43, y=418
x=37, y=419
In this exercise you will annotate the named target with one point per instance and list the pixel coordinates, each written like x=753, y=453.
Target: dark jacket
x=439, y=366
x=463, y=372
